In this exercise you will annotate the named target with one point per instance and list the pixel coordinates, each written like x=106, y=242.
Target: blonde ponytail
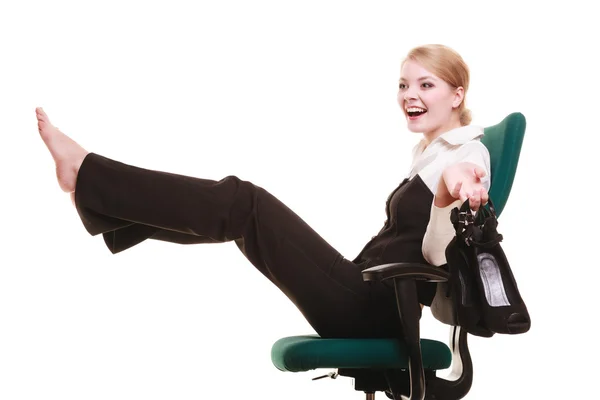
x=465, y=116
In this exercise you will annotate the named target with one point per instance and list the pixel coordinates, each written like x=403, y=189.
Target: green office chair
x=407, y=366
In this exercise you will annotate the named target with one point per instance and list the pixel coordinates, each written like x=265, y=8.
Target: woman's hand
x=462, y=181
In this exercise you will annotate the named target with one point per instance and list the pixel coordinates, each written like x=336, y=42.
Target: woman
x=128, y=205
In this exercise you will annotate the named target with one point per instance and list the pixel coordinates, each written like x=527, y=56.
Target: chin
x=416, y=128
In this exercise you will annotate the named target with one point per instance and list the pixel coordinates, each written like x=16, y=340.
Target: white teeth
x=415, y=109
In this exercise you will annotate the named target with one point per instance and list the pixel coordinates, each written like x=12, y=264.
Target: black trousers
x=128, y=204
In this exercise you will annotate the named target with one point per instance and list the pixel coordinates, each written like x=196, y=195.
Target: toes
x=42, y=116
x=44, y=125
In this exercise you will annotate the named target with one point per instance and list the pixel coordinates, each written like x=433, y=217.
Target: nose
x=410, y=94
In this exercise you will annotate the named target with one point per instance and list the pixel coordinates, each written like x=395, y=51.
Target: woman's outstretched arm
x=467, y=178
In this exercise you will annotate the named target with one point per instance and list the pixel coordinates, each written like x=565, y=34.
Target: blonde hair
x=448, y=65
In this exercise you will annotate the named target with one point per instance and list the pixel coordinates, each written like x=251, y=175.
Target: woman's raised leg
x=128, y=204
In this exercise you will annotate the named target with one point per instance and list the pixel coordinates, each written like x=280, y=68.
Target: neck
x=431, y=136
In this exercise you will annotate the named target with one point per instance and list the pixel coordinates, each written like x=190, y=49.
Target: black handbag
x=484, y=292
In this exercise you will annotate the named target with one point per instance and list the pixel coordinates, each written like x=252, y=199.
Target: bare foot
x=67, y=154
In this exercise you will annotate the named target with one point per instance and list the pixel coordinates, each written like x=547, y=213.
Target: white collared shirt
x=457, y=145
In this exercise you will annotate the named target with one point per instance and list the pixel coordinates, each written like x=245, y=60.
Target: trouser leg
x=128, y=204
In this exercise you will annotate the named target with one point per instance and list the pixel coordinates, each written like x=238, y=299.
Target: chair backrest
x=504, y=141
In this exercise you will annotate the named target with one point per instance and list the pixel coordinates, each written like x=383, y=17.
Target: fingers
x=475, y=198
x=456, y=192
x=478, y=199
x=484, y=196
x=475, y=202
x=465, y=189
x=479, y=172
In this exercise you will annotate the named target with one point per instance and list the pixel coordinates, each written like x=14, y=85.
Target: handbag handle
x=465, y=210
x=465, y=223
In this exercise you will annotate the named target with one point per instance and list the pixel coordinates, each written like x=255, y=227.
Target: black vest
x=408, y=209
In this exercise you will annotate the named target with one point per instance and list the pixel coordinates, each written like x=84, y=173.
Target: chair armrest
x=404, y=276
x=422, y=272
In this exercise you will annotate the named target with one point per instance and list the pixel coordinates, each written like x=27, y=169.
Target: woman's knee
x=245, y=198
x=241, y=187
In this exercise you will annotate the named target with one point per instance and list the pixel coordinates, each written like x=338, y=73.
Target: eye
x=402, y=86
x=427, y=85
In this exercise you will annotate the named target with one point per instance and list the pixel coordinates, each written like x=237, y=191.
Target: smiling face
x=429, y=103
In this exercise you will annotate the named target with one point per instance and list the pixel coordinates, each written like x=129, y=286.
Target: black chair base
x=393, y=382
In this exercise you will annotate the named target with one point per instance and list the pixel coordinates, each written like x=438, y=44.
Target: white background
x=297, y=97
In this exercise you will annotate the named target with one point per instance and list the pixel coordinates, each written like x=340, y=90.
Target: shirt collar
x=454, y=137
x=462, y=134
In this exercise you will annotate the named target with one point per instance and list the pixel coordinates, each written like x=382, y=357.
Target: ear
x=459, y=95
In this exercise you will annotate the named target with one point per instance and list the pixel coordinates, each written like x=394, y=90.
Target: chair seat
x=304, y=353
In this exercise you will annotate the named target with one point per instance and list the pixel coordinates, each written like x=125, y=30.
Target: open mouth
x=415, y=112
